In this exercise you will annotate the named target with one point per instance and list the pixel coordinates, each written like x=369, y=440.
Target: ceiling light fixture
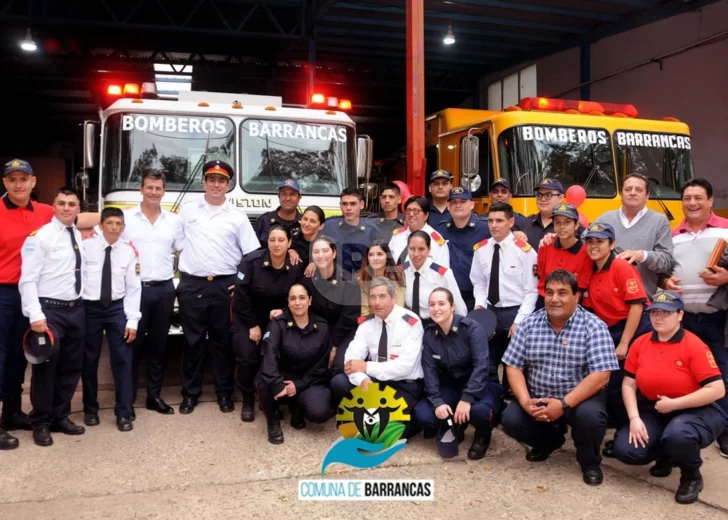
x=28, y=45
x=449, y=37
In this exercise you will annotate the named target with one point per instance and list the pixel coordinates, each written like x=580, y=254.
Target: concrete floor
x=211, y=465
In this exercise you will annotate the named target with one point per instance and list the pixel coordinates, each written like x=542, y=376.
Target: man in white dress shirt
x=217, y=235
x=111, y=296
x=50, y=292
x=505, y=278
x=392, y=340
x=157, y=234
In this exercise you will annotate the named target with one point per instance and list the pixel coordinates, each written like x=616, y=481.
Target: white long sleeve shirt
x=125, y=280
x=404, y=347
x=432, y=276
x=48, y=267
x=156, y=242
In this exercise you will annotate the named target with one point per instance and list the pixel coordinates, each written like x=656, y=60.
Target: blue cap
x=440, y=174
x=667, y=301
x=501, y=182
x=18, y=165
x=566, y=210
x=600, y=230
x=460, y=193
x=550, y=184
x=290, y=183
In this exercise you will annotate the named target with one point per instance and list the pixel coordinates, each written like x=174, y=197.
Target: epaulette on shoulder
x=438, y=268
x=522, y=244
x=362, y=319
x=399, y=230
x=437, y=238
x=136, y=252
x=90, y=235
x=409, y=318
x=480, y=244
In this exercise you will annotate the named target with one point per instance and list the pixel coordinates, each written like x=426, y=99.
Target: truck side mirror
x=89, y=144
x=469, y=156
x=364, y=152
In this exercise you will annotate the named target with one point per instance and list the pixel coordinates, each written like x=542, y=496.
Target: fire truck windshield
x=570, y=155
x=663, y=158
x=319, y=156
x=172, y=144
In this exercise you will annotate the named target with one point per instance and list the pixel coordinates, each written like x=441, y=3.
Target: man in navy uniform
x=352, y=233
x=286, y=215
x=440, y=186
x=390, y=218
x=463, y=230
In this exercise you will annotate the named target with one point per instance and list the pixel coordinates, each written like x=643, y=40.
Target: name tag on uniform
x=396, y=346
x=435, y=356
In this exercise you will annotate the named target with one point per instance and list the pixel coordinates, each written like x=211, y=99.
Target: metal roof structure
x=266, y=47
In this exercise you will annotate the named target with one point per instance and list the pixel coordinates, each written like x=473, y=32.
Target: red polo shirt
x=673, y=368
x=574, y=259
x=612, y=289
x=16, y=224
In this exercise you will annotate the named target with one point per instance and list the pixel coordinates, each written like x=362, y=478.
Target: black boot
x=13, y=417
x=662, y=468
x=691, y=484
x=481, y=443
x=248, y=412
x=298, y=421
x=275, y=434
x=7, y=441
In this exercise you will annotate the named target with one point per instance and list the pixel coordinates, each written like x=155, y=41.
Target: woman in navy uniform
x=378, y=262
x=296, y=349
x=457, y=370
x=312, y=221
x=264, y=278
x=334, y=298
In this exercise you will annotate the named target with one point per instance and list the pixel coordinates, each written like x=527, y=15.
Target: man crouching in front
x=558, y=364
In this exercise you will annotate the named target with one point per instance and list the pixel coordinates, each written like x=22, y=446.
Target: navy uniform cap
x=486, y=318
x=460, y=193
x=447, y=443
x=566, y=210
x=38, y=347
x=600, y=230
x=440, y=174
x=667, y=301
x=17, y=165
x=550, y=184
x=501, y=182
x=290, y=183
x=217, y=167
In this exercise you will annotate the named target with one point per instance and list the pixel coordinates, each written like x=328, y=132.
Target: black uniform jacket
x=338, y=301
x=294, y=354
x=270, y=219
x=262, y=288
x=459, y=360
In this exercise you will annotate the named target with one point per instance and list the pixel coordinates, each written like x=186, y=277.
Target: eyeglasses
x=660, y=313
x=546, y=196
x=412, y=211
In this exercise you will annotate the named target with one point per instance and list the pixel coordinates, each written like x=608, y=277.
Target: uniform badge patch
x=480, y=244
x=437, y=238
x=439, y=268
x=410, y=319
x=711, y=359
x=632, y=286
x=522, y=244
x=399, y=230
x=534, y=269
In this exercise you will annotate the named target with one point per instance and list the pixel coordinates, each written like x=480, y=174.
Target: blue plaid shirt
x=556, y=363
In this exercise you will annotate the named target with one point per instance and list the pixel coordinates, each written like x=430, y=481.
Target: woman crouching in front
x=674, y=414
x=296, y=349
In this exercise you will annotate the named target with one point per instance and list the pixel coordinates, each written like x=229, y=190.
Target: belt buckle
x=72, y=304
x=210, y=278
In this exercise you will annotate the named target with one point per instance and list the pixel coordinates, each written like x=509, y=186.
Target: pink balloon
x=404, y=192
x=576, y=195
x=584, y=221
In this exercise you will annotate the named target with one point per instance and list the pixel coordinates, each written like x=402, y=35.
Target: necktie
x=416, y=295
x=494, y=281
x=106, y=279
x=77, y=271
x=383, y=344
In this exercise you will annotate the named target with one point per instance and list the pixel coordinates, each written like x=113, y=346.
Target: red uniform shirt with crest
x=673, y=368
x=574, y=259
x=612, y=289
x=17, y=224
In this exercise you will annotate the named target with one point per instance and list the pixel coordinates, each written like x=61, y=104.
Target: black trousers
x=588, y=423
x=314, y=400
x=498, y=344
x=204, y=307
x=157, y=307
x=12, y=361
x=112, y=320
x=54, y=382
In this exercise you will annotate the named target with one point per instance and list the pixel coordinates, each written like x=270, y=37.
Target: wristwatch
x=565, y=406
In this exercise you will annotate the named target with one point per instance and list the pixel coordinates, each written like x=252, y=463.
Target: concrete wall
x=692, y=86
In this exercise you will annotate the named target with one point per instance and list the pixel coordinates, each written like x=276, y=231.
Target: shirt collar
x=506, y=241
x=267, y=262
x=607, y=264
x=639, y=215
x=422, y=270
x=454, y=326
x=11, y=205
x=714, y=221
x=394, y=315
x=676, y=338
x=61, y=225
x=573, y=249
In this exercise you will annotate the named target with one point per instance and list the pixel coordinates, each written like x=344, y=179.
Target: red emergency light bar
x=580, y=107
x=321, y=101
